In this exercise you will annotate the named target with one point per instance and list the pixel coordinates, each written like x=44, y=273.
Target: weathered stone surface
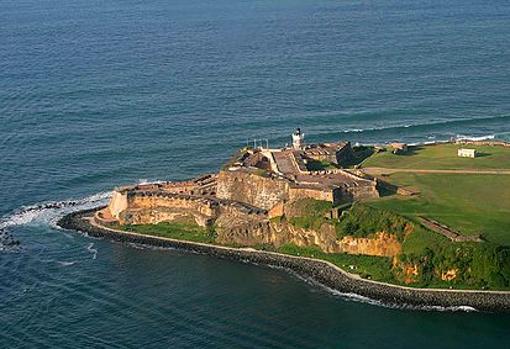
x=256, y=190
x=381, y=244
x=280, y=233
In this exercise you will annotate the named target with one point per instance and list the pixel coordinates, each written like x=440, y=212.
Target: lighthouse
x=297, y=139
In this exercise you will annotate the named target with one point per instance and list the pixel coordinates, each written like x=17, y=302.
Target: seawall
x=319, y=271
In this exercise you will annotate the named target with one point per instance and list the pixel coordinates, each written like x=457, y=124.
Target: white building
x=297, y=139
x=466, y=153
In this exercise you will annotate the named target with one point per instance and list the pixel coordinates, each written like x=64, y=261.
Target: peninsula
x=421, y=225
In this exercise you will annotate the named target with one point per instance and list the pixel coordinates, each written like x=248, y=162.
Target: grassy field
x=173, y=230
x=442, y=157
x=470, y=204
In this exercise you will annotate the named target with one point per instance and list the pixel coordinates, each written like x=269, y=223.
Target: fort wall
x=118, y=203
x=316, y=193
x=251, y=188
x=151, y=207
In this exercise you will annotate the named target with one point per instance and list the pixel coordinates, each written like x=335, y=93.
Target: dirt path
x=377, y=171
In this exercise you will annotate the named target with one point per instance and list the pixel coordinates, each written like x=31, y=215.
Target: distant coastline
x=322, y=272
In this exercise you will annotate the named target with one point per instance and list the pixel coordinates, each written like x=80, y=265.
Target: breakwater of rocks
x=7, y=241
x=318, y=271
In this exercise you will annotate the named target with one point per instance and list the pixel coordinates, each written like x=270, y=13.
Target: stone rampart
x=492, y=143
x=118, y=203
x=252, y=188
x=317, y=193
x=150, y=207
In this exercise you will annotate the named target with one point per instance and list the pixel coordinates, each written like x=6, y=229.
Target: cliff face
x=382, y=244
x=277, y=234
x=251, y=188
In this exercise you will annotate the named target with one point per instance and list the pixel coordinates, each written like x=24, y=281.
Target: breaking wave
x=480, y=138
x=92, y=250
x=434, y=124
x=47, y=213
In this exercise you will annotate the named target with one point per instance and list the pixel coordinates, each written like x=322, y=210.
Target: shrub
x=479, y=265
x=362, y=220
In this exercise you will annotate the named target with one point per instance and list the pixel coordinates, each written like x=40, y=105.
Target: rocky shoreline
x=319, y=271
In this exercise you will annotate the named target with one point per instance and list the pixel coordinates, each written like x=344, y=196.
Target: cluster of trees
x=478, y=265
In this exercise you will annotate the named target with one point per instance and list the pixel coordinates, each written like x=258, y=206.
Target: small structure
x=466, y=153
x=398, y=148
x=298, y=139
x=336, y=153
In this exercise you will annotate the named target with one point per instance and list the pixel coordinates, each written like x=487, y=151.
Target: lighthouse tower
x=298, y=139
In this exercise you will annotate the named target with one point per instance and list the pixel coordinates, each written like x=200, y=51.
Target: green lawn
x=468, y=203
x=173, y=230
x=442, y=157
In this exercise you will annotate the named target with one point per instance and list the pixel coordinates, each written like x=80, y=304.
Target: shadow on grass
x=359, y=155
x=414, y=150
x=386, y=189
x=483, y=155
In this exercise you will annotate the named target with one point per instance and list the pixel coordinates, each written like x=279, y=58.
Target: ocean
x=95, y=94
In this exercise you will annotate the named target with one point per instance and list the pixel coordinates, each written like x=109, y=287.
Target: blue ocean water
x=99, y=93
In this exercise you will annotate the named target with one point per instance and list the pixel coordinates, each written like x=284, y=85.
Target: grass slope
x=173, y=230
x=468, y=203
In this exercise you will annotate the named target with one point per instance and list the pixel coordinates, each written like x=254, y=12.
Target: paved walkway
x=284, y=162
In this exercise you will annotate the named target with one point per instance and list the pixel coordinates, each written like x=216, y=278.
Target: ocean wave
x=51, y=210
x=66, y=264
x=475, y=139
x=92, y=250
x=425, y=124
x=43, y=213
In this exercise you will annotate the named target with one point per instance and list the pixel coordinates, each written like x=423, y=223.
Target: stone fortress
x=256, y=186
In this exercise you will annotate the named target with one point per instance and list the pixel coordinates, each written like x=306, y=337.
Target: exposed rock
x=381, y=244
x=8, y=242
x=279, y=233
x=449, y=275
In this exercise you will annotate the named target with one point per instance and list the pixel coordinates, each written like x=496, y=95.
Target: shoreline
x=322, y=272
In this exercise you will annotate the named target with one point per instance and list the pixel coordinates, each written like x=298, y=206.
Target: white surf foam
x=66, y=264
x=50, y=211
x=475, y=139
x=92, y=250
